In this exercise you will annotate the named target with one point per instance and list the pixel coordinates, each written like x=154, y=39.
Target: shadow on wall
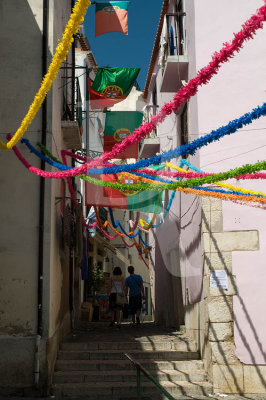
x=169, y=309
x=190, y=248
x=185, y=253
x=171, y=256
x=229, y=305
x=21, y=75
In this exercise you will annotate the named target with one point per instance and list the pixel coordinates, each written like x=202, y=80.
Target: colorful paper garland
x=248, y=168
x=249, y=28
x=62, y=49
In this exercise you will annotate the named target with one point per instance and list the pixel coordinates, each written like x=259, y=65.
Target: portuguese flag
x=119, y=125
x=147, y=201
x=111, y=16
x=111, y=85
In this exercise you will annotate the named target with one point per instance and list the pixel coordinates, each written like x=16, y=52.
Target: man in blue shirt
x=134, y=283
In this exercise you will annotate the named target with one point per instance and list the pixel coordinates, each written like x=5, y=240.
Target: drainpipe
x=72, y=258
x=73, y=71
x=42, y=199
x=87, y=98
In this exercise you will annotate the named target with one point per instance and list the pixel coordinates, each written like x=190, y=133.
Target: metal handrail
x=140, y=369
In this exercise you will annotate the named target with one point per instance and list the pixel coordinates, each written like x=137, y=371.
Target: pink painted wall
x=238, y=88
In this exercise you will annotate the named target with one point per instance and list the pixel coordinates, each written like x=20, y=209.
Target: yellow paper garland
x=76, y=18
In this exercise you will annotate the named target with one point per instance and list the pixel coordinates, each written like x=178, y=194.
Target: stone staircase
x=92, y=364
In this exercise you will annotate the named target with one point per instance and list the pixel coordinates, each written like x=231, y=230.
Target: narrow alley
x=133, y=199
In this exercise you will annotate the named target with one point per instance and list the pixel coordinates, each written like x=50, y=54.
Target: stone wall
x=215, y=314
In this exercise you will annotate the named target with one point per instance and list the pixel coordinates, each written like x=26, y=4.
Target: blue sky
x=134, y=50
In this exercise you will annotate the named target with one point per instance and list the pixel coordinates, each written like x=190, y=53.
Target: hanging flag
x=111, y=85
x=146, y=201
x=90, y=220
x=119, y=125
x=111, y=16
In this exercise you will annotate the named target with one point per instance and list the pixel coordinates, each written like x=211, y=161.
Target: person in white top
x=116, y=286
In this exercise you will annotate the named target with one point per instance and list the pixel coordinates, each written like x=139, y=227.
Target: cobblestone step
x=118, y=355
x=127, y=376
x=122, y=365
x=145, y=345
x=128, y=389
x=91, y=364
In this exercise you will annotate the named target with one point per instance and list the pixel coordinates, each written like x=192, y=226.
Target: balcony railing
x=78, y=107
x=151, y=144
x=72, y=114
x=88, y=153
x=175, y=34
x=149, y=112
x=174, y=59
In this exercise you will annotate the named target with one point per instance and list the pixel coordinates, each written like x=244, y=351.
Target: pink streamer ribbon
x=65, y=153
x=203, y=77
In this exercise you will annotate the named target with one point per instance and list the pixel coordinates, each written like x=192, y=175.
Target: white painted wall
x=133, y=102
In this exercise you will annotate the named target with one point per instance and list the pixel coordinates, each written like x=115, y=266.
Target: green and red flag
x=145, y=201
x=111, y=16
x=111, y=85
x=118, y=126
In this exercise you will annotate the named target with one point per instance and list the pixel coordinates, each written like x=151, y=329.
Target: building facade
x=209, y=235
x=38, y=254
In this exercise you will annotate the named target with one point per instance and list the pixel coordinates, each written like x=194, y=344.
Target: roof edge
x=155, y=47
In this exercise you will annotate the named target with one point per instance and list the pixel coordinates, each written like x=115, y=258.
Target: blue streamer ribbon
x=55, y=164
x=189, y=148
x=64, y=168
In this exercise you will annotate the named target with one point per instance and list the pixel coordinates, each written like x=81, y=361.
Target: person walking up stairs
x=134, y=283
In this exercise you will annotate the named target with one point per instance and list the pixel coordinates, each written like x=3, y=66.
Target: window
x=184, y=125
x=181, y=26
x=67, y=84
x=153, y=109
x=176, y=30
x=103, y=213
x=154, y=95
